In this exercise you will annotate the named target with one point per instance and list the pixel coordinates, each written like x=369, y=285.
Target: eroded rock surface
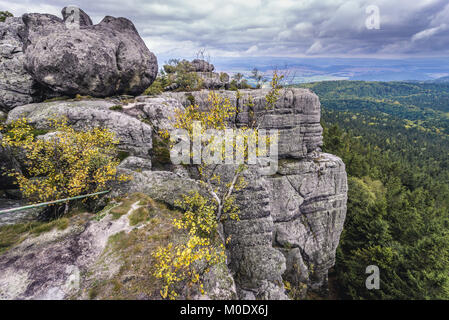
x=290, y=222
x=42, y=55
x=17, y=87
x=98, y=60
x=134, y=135
x=296, y=115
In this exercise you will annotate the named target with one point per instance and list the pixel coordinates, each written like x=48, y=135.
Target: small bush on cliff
x=177, y=75
x=66, y=164
x=156, y=88
x=4, y=15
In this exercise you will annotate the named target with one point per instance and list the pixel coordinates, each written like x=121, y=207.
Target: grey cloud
x=273, y=27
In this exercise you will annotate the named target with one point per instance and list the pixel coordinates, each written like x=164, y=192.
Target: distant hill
x=441, y=80
x=419, y=98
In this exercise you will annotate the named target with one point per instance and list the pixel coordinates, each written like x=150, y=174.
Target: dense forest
x=394, y=139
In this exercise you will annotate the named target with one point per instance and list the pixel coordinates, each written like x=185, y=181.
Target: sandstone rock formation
x=76, y=15
x=290, y=222
x=203, y=71
x=16, y=85
x=100, y=60
x=135, y=136
x=296, y=115
x=75, y=261
x=159, y=112
x=199, y=65
x=42, y=56
x=214, y=80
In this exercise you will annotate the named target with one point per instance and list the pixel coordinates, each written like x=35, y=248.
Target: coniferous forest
x=394, y=140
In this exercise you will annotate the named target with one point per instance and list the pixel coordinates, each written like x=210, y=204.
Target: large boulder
x=43, y=56
x=16, y=85
x=214, y=80
x=160, y=112
x=99, y=60
x=199, y=65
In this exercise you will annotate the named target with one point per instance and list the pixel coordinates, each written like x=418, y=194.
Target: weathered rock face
x=290, y=222
x=134, y=135
x=257, y=265
x=159, y=111
x=199, y=65
x=98, y=60
x=213, y=80
x=16, y=85
x=42, y=56
x=160, y=185
x=308, y=206
x=76, y=15
x=296, y=115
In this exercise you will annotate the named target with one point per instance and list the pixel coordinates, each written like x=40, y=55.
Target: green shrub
x=117, y=107
x=179, y=72
x=156, y=88
x=4, y=15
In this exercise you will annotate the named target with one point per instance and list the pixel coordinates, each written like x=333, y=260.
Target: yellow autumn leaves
x=186, y=263
x=64, y=163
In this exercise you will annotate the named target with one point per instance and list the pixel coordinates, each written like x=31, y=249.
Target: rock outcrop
x=42, y=56
x=199, y=65
x=98, y=60
x=201, y=70
x=159, y=112
x=296, y=115
x=308, y=207
x=134, y=135
x=17, y=87
x=290, y=222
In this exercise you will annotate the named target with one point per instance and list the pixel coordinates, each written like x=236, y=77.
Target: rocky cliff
x=290, y=222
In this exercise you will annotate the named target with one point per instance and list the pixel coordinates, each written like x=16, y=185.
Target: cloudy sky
x=294, y=28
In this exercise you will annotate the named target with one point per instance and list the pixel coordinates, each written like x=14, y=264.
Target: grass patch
x=60, y=224
x=117, y=107
x=126, y=204
x=135, y=279
x=79, y=97
x=63, y=98
x=139, y=215
x=11, y=235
